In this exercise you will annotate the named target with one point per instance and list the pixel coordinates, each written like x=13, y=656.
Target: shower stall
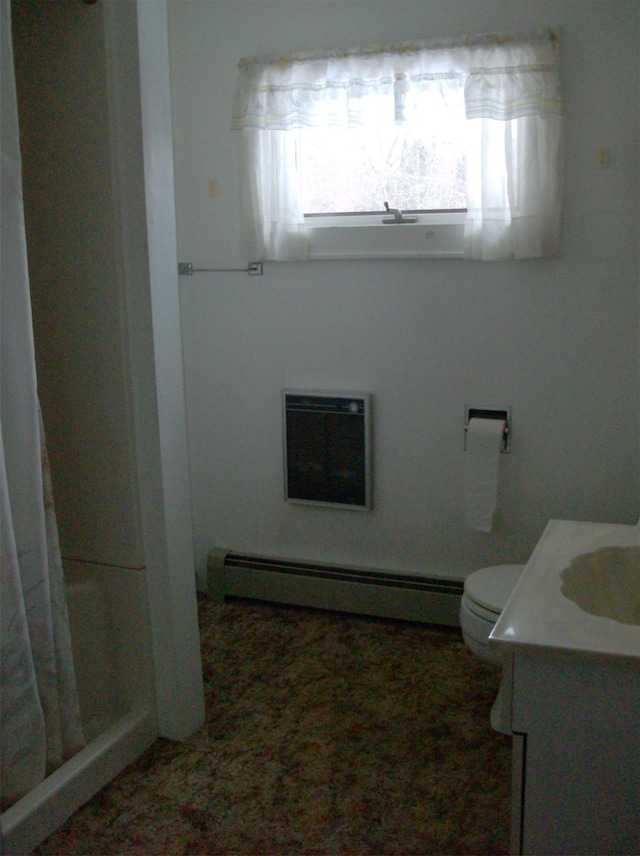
x=103, y=280
x=114, y=675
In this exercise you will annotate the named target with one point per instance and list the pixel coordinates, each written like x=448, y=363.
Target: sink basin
x=606, y=583
x=578, y=594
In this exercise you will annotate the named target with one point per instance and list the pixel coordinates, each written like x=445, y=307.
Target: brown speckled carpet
x=325, y=734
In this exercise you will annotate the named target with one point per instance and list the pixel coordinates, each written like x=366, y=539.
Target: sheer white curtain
x=514, y=120
x=39, y=712
x=514, y=151
x=272, y=217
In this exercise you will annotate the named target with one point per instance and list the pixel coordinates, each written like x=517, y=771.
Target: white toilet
x=486, y=593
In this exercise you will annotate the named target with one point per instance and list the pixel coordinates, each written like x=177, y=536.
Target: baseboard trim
x=365, y=591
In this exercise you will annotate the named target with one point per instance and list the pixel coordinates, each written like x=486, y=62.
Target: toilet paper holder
x=490, y=413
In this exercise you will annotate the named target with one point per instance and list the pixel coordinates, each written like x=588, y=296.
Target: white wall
x=558, y=341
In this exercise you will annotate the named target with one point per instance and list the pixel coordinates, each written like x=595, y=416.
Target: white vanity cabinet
x=572, y=696
x=576, y=760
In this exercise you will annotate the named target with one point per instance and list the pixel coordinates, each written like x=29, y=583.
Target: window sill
x=357, y=237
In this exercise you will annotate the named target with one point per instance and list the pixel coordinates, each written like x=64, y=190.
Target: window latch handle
x=398, y=216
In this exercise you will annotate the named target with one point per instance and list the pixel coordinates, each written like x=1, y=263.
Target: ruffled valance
x=504, y=77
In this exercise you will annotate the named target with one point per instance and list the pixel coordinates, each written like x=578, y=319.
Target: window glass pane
x=418, y=165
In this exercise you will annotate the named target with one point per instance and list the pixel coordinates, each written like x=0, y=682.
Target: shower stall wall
x=111, y=641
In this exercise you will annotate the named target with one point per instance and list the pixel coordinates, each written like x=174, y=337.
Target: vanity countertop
x=538, y=615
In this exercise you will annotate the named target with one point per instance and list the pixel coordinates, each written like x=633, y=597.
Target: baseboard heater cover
x=365, y=591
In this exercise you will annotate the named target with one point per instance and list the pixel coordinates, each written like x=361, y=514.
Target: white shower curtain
x=40, y=721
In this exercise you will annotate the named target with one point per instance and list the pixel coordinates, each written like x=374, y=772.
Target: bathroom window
x=461, y=139
x=417, y=169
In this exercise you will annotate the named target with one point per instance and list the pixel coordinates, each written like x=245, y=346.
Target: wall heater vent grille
x=367, y=591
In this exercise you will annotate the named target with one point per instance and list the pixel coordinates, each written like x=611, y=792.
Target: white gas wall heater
x=327, y=448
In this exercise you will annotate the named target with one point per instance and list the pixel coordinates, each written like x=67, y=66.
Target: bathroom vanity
x=572, y=691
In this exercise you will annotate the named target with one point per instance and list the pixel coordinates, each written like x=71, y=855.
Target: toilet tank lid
x=492, y=587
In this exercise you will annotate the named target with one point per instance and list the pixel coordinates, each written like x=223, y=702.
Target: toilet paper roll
x=482, y=458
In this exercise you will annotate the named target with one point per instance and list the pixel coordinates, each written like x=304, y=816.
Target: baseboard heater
x=431, y=600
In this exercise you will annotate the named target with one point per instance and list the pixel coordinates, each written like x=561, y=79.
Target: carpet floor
x=325, y=734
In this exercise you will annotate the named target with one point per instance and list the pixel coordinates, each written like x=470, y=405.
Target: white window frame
x=364, y=236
